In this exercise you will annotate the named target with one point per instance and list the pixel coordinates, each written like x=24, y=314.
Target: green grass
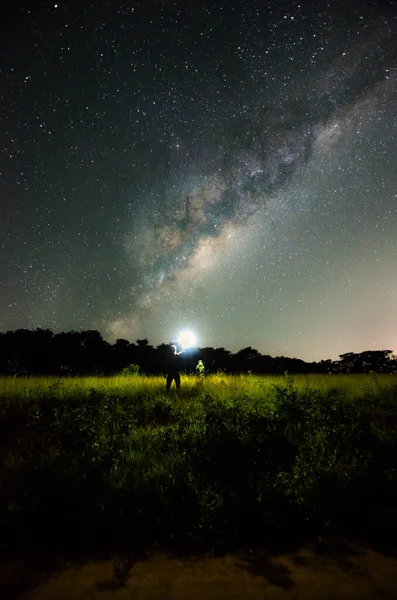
x=99, y=460
x=218, y=386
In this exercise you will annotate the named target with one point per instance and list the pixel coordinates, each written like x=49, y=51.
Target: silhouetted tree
x=144, y=355
x=121, y=355
x=40, y=351
x=380, y=361
x=142, y=343
x=246, y=360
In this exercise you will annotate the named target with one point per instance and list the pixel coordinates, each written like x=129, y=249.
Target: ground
x=342, y=571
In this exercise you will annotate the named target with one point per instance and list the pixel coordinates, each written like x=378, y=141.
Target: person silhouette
x=173, y=365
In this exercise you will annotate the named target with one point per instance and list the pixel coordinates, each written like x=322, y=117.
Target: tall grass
x=115, y=459
x=217, y=385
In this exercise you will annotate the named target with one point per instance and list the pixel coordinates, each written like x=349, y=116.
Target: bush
x=112, y=467
x=131, y=371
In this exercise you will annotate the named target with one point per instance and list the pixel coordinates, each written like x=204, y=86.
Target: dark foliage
x=118, y=470
x=26, y=352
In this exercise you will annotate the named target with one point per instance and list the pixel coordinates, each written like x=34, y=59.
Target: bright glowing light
x=187, y=339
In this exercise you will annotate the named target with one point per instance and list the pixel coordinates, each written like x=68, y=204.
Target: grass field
x=94, y=461
x=218, y=385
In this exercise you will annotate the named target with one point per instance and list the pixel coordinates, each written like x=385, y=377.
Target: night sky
x=223, y=166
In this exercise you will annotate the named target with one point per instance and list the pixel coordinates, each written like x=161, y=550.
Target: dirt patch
x=312, y=573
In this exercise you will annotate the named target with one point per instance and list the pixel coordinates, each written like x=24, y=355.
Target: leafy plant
x=200, y=370
x=131, y=371
x=101, y=456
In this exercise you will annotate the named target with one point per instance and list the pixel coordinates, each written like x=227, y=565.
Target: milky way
x=226, y=168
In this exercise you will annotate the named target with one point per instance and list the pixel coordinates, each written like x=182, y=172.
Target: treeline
x=41, y=352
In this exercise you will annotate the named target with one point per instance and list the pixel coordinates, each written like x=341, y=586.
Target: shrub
x=131, y=371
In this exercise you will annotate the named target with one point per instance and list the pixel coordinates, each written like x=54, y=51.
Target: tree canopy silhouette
x=40, y=351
